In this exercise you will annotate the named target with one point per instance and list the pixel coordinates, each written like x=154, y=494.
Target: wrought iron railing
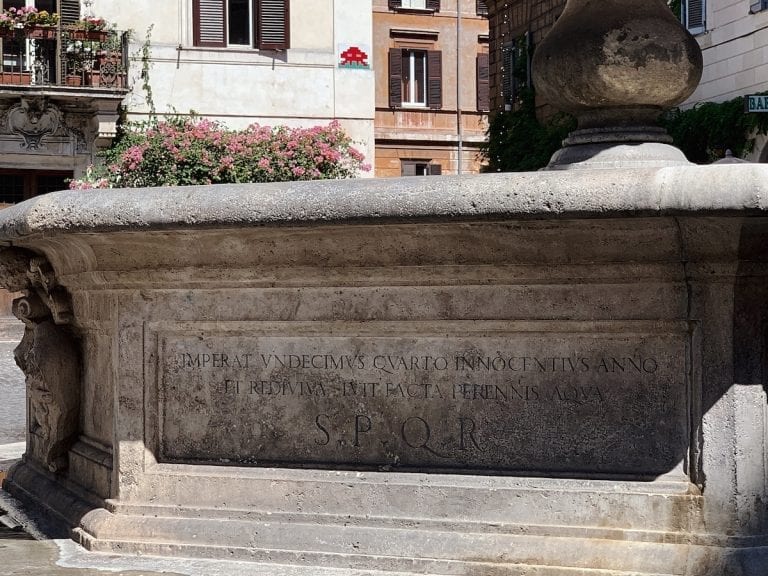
x=49, y=56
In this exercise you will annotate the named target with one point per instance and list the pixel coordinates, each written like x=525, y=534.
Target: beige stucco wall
x=302, y=86
x=735, y=50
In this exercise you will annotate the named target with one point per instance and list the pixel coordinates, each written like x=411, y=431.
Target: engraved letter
x=323, y=430
x=362, y=424
x=468, y=429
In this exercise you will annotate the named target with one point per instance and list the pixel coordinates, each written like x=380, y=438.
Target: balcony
x=49, y=58
x=60, y=93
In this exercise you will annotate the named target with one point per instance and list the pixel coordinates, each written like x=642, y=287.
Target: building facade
x=292, y=62
x=516, y=28
x=733, y=35
x=431, y=86
x=60, y=90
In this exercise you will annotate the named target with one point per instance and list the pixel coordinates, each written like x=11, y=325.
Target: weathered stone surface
x=562, y=403
x=660, y=273
x=634, y=60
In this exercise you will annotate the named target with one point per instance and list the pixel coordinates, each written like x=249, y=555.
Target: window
x=483, y=83
x=695, y=16
x=23, y=55
x=420, y=168
x=482, y=8
x=515, y=69
x=262, y=24
x=433, y=5
x=415, y=78
x=755, y=7
x=19, y=185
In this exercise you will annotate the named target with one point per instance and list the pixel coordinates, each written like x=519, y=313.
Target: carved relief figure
x=49, y=356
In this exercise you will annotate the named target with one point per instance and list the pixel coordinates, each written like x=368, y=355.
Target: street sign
x=756, y=103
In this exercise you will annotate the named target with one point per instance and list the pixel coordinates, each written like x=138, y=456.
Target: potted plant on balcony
x=40, y=25
x=89, y=28
x=9, y=24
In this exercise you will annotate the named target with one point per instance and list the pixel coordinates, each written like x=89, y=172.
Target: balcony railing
x=49, y=56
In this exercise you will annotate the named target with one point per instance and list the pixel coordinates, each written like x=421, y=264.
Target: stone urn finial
x=617, y=65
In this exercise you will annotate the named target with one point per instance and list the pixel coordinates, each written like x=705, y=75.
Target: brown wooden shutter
x=210, y=23
x=395, y=4
x=272, y=25
x=483, y=83
x=395, y=78
x=433, y=5
x=407, y=168
x=69, y=11
x=482, y=8
x=435, y=79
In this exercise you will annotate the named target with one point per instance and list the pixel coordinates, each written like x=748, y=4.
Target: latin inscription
x=579, y=404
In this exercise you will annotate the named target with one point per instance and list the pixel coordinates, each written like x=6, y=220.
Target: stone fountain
x=551, y=373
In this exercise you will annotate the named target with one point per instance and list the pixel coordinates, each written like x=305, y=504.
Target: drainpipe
x=459, y=130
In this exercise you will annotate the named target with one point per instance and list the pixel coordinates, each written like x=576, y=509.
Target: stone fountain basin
x=628, y=308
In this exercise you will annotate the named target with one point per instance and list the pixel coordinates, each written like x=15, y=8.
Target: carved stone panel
x=554, y=404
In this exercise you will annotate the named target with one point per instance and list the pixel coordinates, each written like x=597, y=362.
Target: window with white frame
x=758, y=6
x=262, y=24
x=433, y=5
x=415, y=78
x=18, y=54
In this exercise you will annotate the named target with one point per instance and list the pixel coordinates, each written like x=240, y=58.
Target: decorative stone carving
x=33, y=119
x=48, y=354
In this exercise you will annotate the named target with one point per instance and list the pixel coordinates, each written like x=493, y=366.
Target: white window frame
x=29, y=48
x=414, y=4
x=413, y=54
x=251, y=21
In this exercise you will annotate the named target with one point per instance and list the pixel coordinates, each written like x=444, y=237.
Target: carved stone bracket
x=36, y=118
x=49, y=355
x=33, y=119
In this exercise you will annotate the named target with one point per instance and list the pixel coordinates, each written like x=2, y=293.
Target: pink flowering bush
x=185, y=151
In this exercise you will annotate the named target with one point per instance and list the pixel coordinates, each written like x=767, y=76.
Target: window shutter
x=695, y=16
x=482, y=8
x=433, y=5
x=435, y=169
x=394, y=4
x=273, y=29
x=210, y=23
x=507, y=69
x=395, y=78
x=435, y=79
x=69, y=11
x=483, y=83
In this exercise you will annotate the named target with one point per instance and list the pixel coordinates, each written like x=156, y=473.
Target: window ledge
x=413, y=33
x=424, y=11
x=413, y=106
